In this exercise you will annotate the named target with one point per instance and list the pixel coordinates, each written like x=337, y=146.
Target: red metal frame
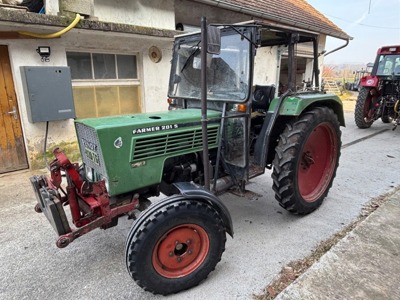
x=388, y=50
x=93, y=194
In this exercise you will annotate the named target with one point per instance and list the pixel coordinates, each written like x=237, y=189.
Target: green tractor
x=219, y=132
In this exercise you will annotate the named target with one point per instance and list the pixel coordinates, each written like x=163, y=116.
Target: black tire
x=148, y=244
x=386, y=119
x=306, y=160
x=385, y=116
x=362, y=108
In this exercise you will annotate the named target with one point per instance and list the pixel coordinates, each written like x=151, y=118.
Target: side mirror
x=213, y=39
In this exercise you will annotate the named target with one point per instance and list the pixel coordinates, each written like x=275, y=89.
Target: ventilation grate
x=188, y=141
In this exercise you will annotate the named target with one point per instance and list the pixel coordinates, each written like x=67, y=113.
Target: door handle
x=14, y=113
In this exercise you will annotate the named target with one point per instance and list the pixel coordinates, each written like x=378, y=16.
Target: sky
x=371, y=23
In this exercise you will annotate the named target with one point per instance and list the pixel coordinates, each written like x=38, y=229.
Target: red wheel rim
x=180, y=251
x=317, y=162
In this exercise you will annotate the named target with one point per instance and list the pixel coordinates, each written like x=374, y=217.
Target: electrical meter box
x=48, y=93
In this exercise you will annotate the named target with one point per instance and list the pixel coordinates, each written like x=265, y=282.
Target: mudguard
x=291, y=105
x=370, y=81
x=191, y=191
x=294, y=105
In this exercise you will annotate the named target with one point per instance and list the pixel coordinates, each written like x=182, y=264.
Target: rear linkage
x=89, y=202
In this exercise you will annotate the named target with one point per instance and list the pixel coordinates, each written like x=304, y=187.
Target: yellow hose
x=55, y=34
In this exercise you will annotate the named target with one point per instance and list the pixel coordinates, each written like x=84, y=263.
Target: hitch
x=89, y=202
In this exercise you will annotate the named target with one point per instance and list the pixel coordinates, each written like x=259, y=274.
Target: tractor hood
x=148, y=122
x=135, y=146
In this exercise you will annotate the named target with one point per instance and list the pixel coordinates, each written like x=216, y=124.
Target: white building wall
x=52, y=7
x=266, y=66
x=321, y=47
x=153, y=76
x=149, y=13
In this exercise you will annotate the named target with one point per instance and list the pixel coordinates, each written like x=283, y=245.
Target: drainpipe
x=338, y=48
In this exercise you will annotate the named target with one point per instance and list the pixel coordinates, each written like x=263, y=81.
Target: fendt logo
x=90, y=150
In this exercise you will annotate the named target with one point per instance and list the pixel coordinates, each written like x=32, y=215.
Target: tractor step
x=255, y=170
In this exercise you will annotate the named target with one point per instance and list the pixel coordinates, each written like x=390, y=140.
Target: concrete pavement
x=364, y=265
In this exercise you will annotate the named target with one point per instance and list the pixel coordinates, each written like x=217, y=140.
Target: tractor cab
x=251, y=122
x=387, y=64
x=230, y=72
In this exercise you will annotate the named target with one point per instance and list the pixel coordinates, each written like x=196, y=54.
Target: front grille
x=187, y=141
x=90, y=148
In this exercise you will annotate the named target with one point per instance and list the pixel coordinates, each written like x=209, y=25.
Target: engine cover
x=129, y=151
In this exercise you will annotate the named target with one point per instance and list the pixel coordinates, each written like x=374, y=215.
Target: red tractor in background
x=379, y=95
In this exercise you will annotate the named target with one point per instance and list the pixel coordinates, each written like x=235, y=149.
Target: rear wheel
x=364, y=112
x=175, y=248
x=306, y=160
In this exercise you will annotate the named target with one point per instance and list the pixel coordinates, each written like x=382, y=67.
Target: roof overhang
x=276, y=18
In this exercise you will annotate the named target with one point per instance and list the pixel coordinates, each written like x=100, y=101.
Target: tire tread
x=359, y=117
x=284, y=162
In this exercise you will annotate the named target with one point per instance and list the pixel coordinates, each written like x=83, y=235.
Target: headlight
x=89, y=173
x=106, y=183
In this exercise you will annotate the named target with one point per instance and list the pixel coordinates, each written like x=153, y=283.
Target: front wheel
x=176, y=247
x=386, y=118
x=364, y=112
x=306, y=160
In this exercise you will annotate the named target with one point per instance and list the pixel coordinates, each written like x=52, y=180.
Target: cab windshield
x=389, y=65
x=227, y=73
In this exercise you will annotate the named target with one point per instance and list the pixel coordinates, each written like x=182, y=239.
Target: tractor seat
x=262, y=97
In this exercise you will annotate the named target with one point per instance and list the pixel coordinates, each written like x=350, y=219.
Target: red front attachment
x=89, y=201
